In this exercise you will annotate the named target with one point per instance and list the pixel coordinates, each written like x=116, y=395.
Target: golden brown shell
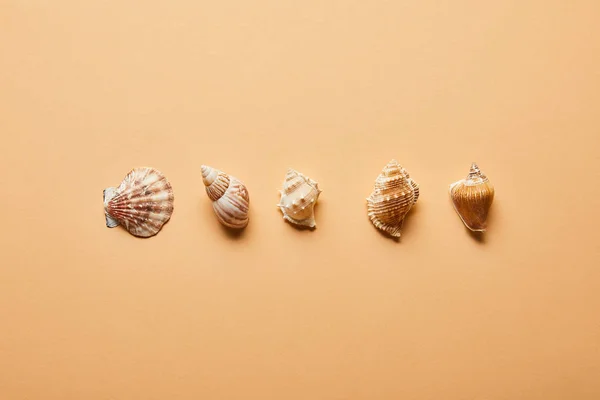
x=472, y=198
x=143, y=202
x=393, y=196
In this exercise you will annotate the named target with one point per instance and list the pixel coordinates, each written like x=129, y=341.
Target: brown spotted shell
x=392, y=198
x=142, y=204
x=472, y=198
x=229, y=195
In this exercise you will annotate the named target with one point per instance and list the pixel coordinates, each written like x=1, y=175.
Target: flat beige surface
x=335, y=89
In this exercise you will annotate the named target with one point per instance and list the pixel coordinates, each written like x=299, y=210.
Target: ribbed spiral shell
x=143, y=202
x=298, y=198
x=231, y=201
x=392, y=198
x=472, y=198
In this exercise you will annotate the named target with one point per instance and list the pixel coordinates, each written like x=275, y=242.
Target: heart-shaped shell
x=298, y=198
x=472, y=198
x=392, y=198
x=143, y=202
x=231, y=201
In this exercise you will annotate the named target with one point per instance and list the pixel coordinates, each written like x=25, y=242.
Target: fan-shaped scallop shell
x=472, y=198
x=298, y=198
x=393, y=196
x=231, y=201
x=143, y=202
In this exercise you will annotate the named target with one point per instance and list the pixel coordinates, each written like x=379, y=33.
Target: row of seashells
x=143, y=202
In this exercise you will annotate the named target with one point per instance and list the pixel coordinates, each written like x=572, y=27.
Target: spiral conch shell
x=230, y=197
x=143, y=202
x=394, y=195
x=298, y=198
x=472, y=198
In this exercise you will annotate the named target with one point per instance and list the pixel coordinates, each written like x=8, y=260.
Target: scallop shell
x=143, y=202
x=229, y=195
x=472, y=198
x=298, y=198
x=393, y=196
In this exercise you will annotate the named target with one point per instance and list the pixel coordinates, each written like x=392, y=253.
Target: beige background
x=90, y=89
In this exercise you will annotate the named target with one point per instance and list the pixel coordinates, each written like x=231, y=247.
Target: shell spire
x=215, y=181
x=474, y=169
x=472, y=198
x=475, y=175
x=142, y=204
x=229, y=195
x=392, y=198
x=299, y=195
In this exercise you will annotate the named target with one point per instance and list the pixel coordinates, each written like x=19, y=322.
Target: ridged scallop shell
x=231, y=201
x=472, y=198
x=393, y=196
x=143, y=202
x=298, y=198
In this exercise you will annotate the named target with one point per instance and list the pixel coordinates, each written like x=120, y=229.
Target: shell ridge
x=236, y=205
x=228, y=217
x=128, y=186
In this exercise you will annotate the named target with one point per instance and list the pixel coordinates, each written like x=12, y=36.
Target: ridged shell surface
x=392, y=198
x=298, y=198
x=229, y=195
x=142, y=204
x=472, y=198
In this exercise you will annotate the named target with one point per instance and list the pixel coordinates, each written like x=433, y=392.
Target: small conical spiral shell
x=392, y=198
x=472, y=198
x=298, y=198
x=231, y=201
x=143, y=202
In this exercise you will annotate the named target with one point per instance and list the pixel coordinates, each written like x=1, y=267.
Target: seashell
x=393, y=196
x=229, y=195
x=143, y=202
x=472, y=198
x=298, y=198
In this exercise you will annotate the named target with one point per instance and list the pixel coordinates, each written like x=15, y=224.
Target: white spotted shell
x=393, y=196
x=142, y=204
x=231, y=201
x=298, y=198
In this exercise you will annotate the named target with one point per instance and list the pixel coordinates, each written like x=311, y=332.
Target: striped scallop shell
x=392, y=198
x=472, y=198
x=231, y=201
x=298, y=198
x=143, y=202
